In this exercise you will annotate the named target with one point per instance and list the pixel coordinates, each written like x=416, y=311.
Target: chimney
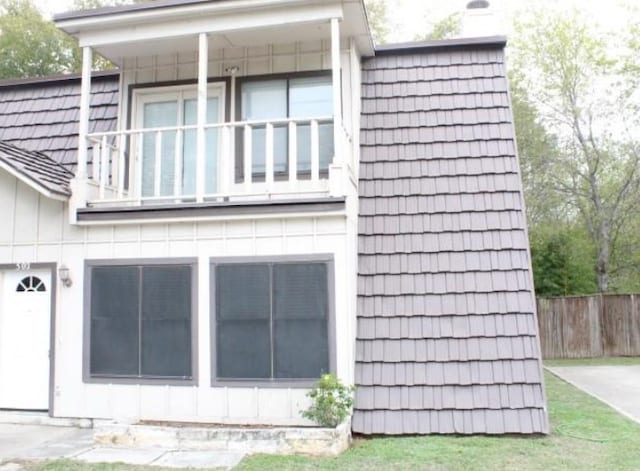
x=480, y=20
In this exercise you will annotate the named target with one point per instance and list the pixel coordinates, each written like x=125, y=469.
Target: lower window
x=271, y=320
x=140, y=320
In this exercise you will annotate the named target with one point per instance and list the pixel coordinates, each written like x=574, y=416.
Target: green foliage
x=446, y=28
x=536, y=148
x=30, y=45
x=332, y=402
x=577, y=92
x=378, y=20
x=563, y=261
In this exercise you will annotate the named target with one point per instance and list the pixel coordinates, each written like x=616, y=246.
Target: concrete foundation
x=269, y=440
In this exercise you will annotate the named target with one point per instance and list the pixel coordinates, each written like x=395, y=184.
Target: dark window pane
x=243, y=321
x=300, y=320
x=300, y=291
x=114, y=320
x=244, y=349
x=301, y=348
x=242, y=292
x=166, y=321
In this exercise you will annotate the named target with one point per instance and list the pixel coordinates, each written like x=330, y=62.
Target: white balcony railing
x=243, y=160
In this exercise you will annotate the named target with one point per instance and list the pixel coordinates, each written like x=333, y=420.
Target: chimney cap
x=476, y=4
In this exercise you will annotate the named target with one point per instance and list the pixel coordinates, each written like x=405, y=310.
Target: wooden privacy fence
x=589, y=326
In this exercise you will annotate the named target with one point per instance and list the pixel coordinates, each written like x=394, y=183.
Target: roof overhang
x=172, y=25
x=485, y=42
x=30, y=182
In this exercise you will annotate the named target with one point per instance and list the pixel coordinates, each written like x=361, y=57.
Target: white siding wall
x=36, y=230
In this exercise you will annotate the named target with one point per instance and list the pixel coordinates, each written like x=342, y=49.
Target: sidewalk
x=617, y=386
x=25, y=443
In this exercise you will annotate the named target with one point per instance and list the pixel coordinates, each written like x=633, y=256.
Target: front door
x=25, y=323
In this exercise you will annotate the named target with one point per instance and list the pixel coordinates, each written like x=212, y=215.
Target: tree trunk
x=602, y=261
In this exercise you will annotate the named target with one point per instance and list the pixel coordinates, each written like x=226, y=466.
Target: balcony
x=287, y=150
x=242, y=161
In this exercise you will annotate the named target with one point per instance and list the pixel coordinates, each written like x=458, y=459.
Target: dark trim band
x=196, y=210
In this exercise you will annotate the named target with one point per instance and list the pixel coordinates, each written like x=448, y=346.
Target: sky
x=411, y=18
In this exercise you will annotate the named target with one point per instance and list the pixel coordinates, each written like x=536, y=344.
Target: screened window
x=271, y=321
x=140, y=321
x=306, y=97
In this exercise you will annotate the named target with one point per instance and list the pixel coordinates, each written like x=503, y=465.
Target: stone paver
x=618, y=386
x=121, y=455
x=24, y=443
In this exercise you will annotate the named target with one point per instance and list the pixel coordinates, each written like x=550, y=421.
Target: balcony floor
x=212, y=210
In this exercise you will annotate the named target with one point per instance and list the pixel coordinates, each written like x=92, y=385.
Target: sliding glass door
x=302, y=98
x=168, y=165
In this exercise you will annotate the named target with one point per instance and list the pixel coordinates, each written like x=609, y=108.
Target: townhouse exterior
x=259, y=195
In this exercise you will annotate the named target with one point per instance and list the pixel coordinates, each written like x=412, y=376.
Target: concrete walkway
x=617, y=386
x=25, y=443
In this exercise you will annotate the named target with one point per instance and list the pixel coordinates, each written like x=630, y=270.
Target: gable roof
x=36, y=170
x=42, y=115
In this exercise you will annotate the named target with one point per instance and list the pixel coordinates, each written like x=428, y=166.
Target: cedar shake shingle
x=447, y=336
x=41, y=115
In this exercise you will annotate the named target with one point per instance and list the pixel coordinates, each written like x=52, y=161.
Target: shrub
x=332, y=402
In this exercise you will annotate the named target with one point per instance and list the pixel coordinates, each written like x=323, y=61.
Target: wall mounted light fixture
x=232, y=70
x=65, y=276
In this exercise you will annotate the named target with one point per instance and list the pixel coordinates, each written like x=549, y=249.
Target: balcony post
x=85, y=102
x=337, y=89
x=337, y=171
x=79, y=188
x=203, y=62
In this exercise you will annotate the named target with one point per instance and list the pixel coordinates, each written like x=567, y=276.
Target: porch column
x=203, y=61
x=85, y=102
x=337, y=89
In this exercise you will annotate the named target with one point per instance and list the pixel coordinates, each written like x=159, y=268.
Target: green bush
x=332, y=402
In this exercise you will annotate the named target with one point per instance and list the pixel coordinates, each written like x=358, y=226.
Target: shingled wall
x=41, y=115
x=447, y=334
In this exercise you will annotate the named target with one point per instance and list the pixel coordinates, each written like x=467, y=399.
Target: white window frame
x=180, y=93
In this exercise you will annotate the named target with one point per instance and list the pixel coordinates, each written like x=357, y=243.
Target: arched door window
x=31, y=284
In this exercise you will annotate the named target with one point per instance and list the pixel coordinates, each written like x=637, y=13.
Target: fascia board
x=212, y=24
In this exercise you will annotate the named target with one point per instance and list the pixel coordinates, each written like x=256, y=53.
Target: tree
x=30, y=45
x=446, y=28
x=378, y=16
x=536, y=147
x=562, y=259
x=579, y=90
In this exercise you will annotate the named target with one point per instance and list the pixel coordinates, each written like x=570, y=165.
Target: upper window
x=271, y=320
x=141, y=321
x=303, y=98
x=31, y=284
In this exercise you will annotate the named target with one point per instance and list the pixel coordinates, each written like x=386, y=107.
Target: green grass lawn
x=586, y=435
x=611, y=361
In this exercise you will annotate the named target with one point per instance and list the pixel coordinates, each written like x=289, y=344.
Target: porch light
x=65, y=276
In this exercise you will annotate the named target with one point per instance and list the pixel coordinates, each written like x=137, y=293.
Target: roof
x=42, y=115
x=36, y=169
x=447, y=338
x=113, y=10
x=487, y=42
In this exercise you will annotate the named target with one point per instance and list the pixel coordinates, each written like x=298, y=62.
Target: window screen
x=271, y=320
x=141, y=321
